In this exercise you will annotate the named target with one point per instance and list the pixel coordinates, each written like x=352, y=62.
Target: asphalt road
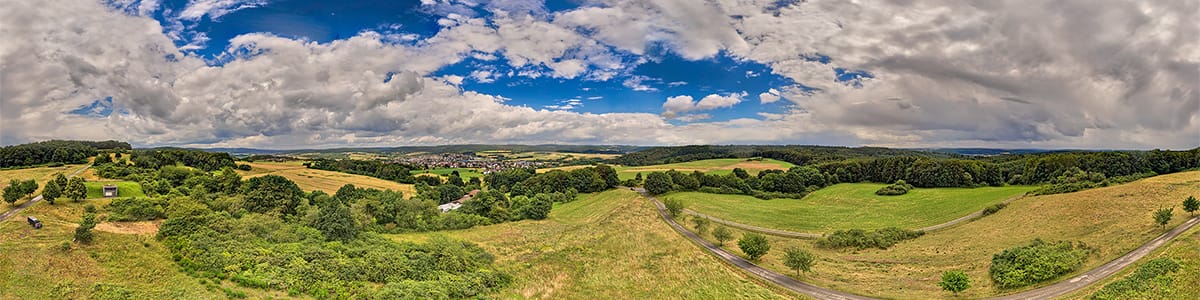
x=1048, y=292
x=13, y=212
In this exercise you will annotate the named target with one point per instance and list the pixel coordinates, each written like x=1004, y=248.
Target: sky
x=294, y=74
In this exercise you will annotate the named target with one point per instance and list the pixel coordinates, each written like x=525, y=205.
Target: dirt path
x=809, y=235
x=13, y=212
x=1048, y=292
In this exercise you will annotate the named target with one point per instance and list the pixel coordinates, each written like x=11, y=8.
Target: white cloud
x=770, y=96
x=214, y=9
x=675, y=106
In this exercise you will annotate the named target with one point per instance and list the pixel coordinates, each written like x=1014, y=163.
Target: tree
x=52, y=191
x=334, y=220
x=61, y=180
x=13, y=191
x=1190, y=205
x=798, y=259
x=701, y=225
x=228, y=181
x=955, y=281
x=754, y=245
x=674, y=206
x=28, y=187
x=722, y=234
x=658, y=183
x=455, y=180
x=75, y=189
x=608, y=174
x=741, y=173
x=83, y=233
x=272, y=193
x=539, y=207
x=1163, y=216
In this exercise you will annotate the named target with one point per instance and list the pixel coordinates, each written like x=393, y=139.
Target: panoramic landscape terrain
x=599, y=149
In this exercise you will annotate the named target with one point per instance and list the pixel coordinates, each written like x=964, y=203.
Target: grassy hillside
x=125, y=189
x=1185, y=250
x=41, y=174
x=850, y=205
x=32, y=266
x=1114, y=219
x=609, y=245
x=327, y=181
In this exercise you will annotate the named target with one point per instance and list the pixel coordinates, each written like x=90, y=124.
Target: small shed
x=110, y=191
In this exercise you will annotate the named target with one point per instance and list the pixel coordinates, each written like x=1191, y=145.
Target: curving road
x=1048, y=292
x=808, y=235
x=13, y=212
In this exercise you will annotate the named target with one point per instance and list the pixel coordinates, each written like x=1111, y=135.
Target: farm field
x=125, y=189
x=538, y=155
x=719, y=166
x=137, y=266
x=465, y=173
x=849, y=205
x=327, y=181
x=609, y=245
x=1115, y=220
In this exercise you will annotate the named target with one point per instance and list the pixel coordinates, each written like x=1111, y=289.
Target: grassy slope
x=33, y=267
x=125, y=189
x=609, y=245
x=40, y=174
x=850, y=205
x=1185, y=250
x=1115, y=219
x=327, y=181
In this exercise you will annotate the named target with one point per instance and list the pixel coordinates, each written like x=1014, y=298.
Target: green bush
x=1037, y=262
x=1151, y=280
x=136, y=209
x=994, y=208
x=104, y=291
x=898, y=188
x=862, y=239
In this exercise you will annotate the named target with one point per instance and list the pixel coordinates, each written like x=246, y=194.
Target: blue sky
x=289, y=74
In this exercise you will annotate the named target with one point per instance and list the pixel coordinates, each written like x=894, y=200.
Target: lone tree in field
x=83, y=233
x=722, y=234
x=701, y=225
x=754, y=245
x=798, y=259
x=1163, y=216
x=674, y=206
x=52, y=191
x=1190, y=205
x=75, y=189
x=955, y=281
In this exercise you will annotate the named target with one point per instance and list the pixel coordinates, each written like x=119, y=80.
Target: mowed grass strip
x=327, y=181
x=125, y=189
x=1115, y=220
x=609, y=245
x=850, y=205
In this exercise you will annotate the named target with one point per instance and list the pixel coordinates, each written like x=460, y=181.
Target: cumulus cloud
x=770, y=96
x=676, y=105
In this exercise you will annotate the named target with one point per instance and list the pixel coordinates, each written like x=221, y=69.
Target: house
x=110, y=191
x=452, y=205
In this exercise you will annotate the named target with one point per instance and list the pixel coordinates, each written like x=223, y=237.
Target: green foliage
x=701, y=225
x=1150, y=280
x=244, y=167
x=722, y=234
x=1163, y=216
x=51, y=152
x=862, y=239
x=160, y=157
x=227, y=181
x=387, y=171
x=658, y=183
x=754, y=245
x=955, y=281
x=798, y=259
x=75, y=189
x=272, y=193
x=674, y=206
x=83, y=233
x=136, y=209
x=102, y=158
x=335, y=222
x=1037, y=262
x=898, y=188
x=994, y=208
x=1190, y=204
x=102, y=291
x=52, y=191
x=539, y=207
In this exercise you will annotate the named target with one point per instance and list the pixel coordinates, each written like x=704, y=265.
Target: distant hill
x=796, y=154
x=592, y=149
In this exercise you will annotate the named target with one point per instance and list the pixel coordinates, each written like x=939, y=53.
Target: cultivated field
x=1114, y=219
x=610, y=245
x=850, y=205
x=464, y=173
x=327, y=181
x=135, y=266
x=125, y=189
x=720, y=166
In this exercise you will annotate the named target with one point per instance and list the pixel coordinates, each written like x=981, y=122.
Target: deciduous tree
x=798, y=259
x=75, y=189
x=754, y=245
x=1163, y=216
x=52, y=191
x=658, y=183
x=722, y=234
x=1190, y=205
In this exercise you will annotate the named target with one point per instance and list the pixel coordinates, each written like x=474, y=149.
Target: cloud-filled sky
x=285, y=74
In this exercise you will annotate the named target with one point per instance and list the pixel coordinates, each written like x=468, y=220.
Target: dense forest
x=388, y=171
x=54, y=152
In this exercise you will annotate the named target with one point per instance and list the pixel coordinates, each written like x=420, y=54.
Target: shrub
x=674, y=206
x=1151, y=280
x=65, y=246
x=103, y=291
x=722, y=234
x=898, y=188
x=136, y=209
x=955, y=281
x=83, y=233
x=1037, y=262
x=994, y=208
x=862, y=239
x=244, y=167
x=754, y=245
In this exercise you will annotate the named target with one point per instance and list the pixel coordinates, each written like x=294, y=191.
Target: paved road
x=13, y=212
x=1048, y=292
x=768, y=275
x=1103, y=271
x=808, y=235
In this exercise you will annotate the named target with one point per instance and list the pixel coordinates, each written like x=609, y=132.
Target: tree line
x=387, y=171
x=54, y=152
x=799, y=155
